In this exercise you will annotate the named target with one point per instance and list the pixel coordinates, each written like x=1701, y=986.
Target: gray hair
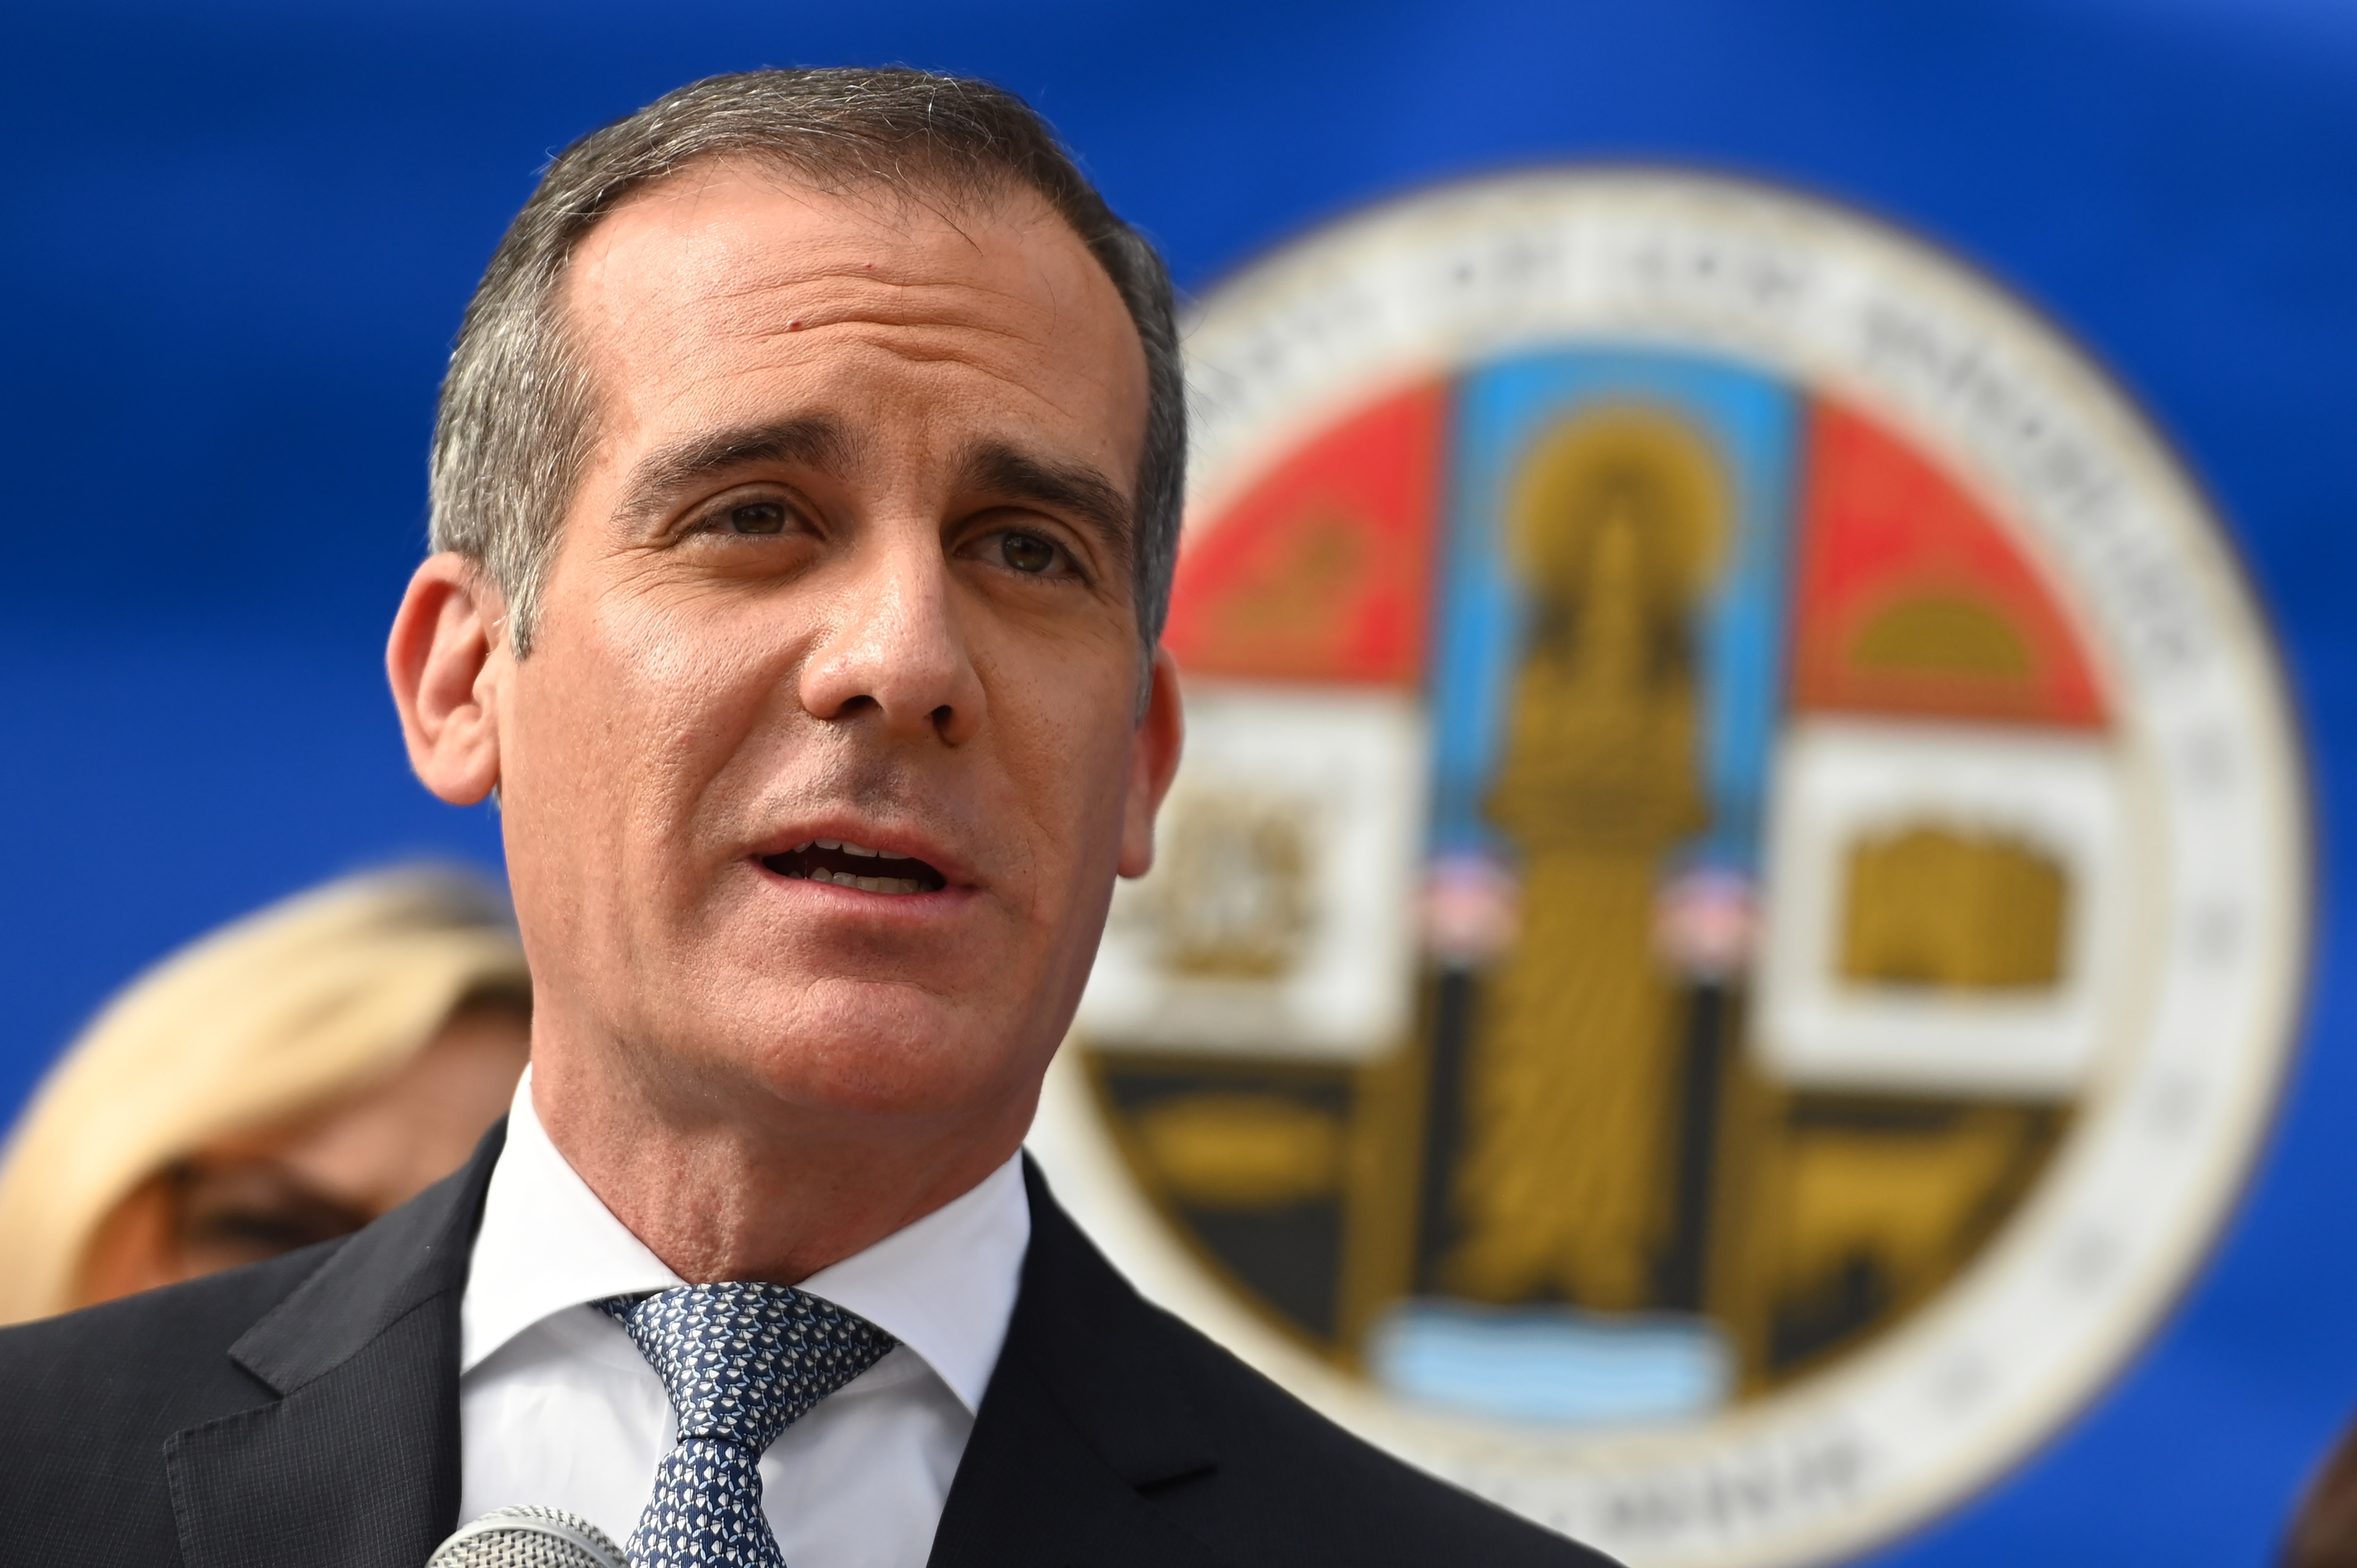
x=518, y=416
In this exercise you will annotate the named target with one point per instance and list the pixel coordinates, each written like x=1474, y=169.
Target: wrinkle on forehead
x=683, y=278
x=886, y=259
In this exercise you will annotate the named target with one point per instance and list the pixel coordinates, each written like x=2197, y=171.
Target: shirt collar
x=944, y=1286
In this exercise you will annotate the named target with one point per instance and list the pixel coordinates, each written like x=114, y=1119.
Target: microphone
x=528, y=1536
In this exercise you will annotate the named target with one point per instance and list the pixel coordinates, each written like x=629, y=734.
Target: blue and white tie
x=743, y=1362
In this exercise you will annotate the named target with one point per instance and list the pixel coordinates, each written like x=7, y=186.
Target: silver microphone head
x=529, y=1537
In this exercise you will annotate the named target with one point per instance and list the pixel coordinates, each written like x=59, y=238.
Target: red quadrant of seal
x=1912, y=601
x=1321, y=570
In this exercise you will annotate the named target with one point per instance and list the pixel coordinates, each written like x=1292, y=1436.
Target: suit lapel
x=1085, y=1419
x=356, y=1460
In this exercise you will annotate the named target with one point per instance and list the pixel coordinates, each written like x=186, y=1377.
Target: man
x=805, y=495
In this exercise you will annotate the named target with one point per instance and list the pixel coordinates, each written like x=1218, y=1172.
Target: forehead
x=731, y=292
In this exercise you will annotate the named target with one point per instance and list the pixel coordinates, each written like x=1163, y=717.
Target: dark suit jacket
x=304, y=1413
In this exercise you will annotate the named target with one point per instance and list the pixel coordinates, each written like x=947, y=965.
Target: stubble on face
x=794, y=602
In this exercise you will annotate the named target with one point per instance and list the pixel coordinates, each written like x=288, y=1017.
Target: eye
x=1028, y=553
x=753, y=517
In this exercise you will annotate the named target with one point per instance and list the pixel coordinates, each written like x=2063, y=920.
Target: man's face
x=817, y=777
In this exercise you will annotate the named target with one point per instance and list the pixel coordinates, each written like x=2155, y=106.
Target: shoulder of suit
x=146, y=1348
x=88, y=1402
x=1221, y=1451
x=1338, y=1489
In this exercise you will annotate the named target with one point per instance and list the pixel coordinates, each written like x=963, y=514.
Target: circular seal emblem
x=1735, y=905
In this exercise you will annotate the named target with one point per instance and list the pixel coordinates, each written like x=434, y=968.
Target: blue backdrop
x=238, y=238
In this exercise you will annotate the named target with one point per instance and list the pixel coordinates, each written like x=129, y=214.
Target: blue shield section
x=1752, y=424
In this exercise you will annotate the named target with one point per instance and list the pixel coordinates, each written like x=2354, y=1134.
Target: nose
x=895, y=653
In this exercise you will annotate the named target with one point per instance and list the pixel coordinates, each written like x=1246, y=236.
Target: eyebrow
x=669, y=472
x=1001, y=471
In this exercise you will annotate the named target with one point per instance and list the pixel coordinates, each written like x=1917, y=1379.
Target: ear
x=1152, y=762
x=446, y=656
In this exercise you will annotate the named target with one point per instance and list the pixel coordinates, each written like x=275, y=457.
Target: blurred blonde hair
x=283, y=1012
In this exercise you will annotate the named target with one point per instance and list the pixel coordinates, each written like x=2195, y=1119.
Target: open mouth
x=856, y=866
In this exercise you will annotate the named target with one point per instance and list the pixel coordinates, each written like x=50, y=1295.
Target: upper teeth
x=847, y=847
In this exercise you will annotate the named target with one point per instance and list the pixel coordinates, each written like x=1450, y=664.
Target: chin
x=887, y=1050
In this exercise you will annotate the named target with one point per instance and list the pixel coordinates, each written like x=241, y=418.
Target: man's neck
x=729, y=1183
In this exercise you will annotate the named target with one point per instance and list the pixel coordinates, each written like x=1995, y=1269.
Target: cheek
x=677, y=708
x=626, y=720
x=1072, y=749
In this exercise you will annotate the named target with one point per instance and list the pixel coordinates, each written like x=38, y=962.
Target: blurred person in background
x=281, y=1081
x=2324, y=1531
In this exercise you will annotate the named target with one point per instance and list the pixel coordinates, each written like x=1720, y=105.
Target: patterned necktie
x=743, y=1362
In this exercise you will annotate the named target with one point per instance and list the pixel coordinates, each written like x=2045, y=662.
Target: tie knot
x=743, y=1360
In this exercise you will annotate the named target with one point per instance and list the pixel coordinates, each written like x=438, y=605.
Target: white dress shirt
x=557, y=1407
